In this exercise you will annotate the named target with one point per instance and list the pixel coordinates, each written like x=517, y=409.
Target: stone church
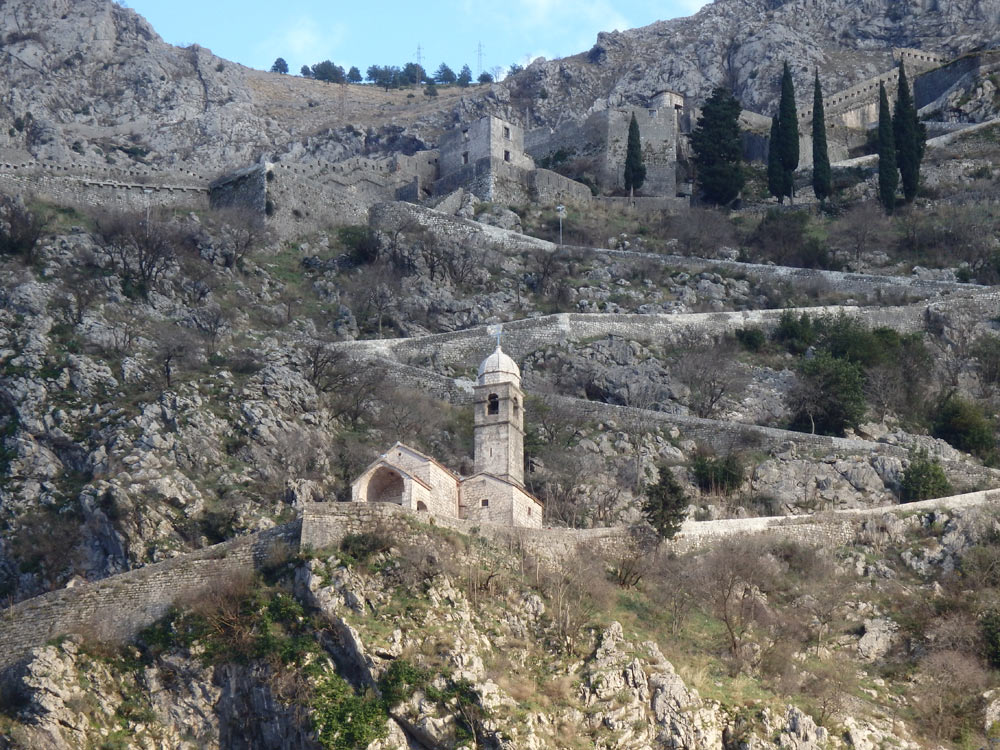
x=495, y=493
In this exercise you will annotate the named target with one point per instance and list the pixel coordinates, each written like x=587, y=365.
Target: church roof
x=498, y=368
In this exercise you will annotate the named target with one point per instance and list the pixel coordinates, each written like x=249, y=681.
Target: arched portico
x=385, y=485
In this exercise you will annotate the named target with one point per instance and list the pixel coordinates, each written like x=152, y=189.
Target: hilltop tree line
x=390, y=76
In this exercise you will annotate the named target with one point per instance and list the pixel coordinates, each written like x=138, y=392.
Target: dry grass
x=317, y=105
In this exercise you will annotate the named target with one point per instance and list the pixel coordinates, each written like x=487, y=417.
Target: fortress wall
x=867, y=288
x=325, y=524
x=465, y=348
x=550, y=188
x=119, y=606
x=77, y=191
x=644, y=205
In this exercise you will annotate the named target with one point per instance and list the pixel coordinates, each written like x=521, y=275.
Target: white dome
x=498, y=368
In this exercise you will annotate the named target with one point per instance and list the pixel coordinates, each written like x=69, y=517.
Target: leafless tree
x=126, y=328
x=142, y=247
x=327, y=368
x=240, y=233
x=212, y=319
x=176, y=347
x=710, y=374
x=734, y=578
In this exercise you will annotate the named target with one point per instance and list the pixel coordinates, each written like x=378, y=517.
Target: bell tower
x=499, y=418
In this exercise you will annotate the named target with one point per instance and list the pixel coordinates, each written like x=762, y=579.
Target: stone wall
x=644, y=206
x=246, y=188
x=119, y=606
x=86, y=185
x=932, y=85
x=869, y=288
x=325, y=524
x=551, y=188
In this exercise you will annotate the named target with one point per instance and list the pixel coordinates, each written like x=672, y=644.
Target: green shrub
x=989, y=621
x=358, y=548
x=796, y=334
x=344, y=720
x=962, y=424
x=718, y=474
x=752, y=338
x=400, y=681
x=923, y=479
x=360, y=242
x=828, y=397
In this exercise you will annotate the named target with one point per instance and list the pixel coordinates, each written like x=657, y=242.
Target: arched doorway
x=421, y=505
x=385, y=486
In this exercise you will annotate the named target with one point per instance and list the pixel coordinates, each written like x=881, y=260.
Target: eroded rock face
x=733, y=43
x=67, y=698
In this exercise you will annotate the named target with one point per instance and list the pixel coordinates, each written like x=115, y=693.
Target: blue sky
x=255, y=32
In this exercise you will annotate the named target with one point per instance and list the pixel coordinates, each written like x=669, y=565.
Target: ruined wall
x=119, y=606
x=551, y=188
x=603, y=136
x=246, y=188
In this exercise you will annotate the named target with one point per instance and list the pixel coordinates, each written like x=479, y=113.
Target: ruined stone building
x=601, y=138
x=495, y=492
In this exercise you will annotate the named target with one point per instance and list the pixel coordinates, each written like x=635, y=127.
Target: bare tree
x=176, y=347
x=125, y=328
x=142, y=248
x=710, y=375
x=861, y=227
x=733, y=580
x=241, y=232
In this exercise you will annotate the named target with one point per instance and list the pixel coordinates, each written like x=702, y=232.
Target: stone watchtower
x=499, y=419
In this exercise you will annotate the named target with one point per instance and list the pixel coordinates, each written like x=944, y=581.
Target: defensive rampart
x=325, y=524
x=119, y=606
x=89, y=185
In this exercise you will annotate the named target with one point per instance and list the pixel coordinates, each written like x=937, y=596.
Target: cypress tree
x=910, y=134
x=718, y=148
x=788, y=130
x=775, y=172
x=822, y=181
x=888, y=175
x=635, y=170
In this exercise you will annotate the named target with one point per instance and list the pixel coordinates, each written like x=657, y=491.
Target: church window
x=493, y=404
x=516, y=405
x=465, y=157
x=421, y=505
x=485, y=503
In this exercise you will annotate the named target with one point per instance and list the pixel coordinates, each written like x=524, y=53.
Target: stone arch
x=421, y=505
x=385, y=486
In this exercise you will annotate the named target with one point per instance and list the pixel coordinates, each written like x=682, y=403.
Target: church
x=495, y=493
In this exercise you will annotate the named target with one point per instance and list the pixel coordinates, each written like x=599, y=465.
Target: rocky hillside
x=743, y=44
x=438, y=640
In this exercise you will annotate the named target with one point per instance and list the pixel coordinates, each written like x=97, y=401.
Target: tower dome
x=498, y=368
